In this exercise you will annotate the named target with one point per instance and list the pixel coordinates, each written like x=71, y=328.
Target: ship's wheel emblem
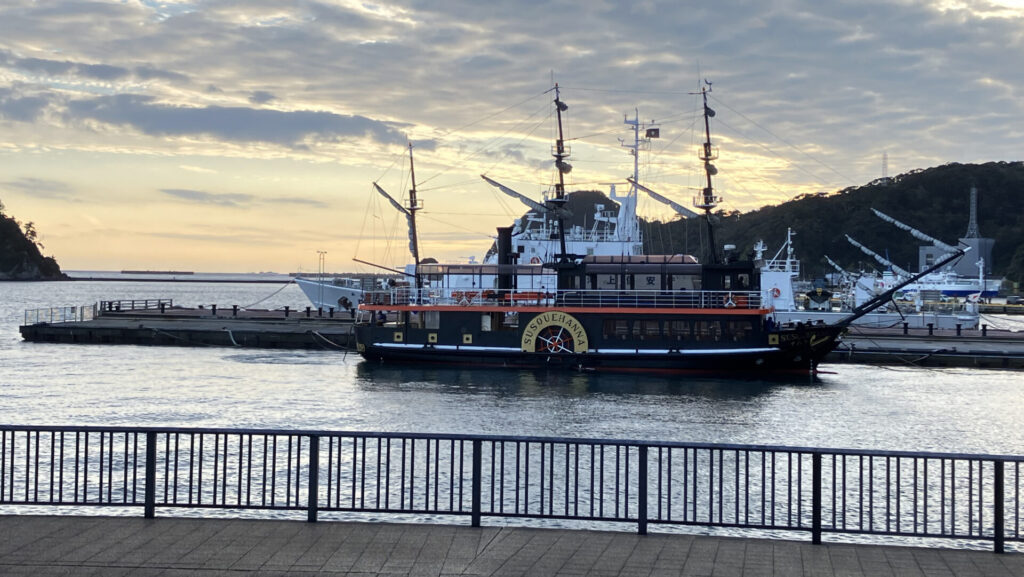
x=554, y=332
x=554, y=339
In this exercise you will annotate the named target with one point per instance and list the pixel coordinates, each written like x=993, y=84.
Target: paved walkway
x=45, y=546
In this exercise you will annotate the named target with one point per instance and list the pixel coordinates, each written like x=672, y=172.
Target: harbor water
x=846, y=406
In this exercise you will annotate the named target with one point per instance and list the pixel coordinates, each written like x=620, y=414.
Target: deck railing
x=55, y=315
x=818, y=491
x=401, y=296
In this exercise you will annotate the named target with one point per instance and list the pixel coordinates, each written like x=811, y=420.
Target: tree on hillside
x=20, y=252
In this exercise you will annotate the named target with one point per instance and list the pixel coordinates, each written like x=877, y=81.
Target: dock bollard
x=162, y=307
x=213, y=309
x=958, y=329
x=308, y=311
x=984, y=330
x=234, y=310
x=330, y=313
x=285, y=311
x=320, y=312
x=931, y=329
x=906, y=326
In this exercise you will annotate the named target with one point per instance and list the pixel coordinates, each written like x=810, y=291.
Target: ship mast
x=414, y=245
x=561, y=152
x=708, y=201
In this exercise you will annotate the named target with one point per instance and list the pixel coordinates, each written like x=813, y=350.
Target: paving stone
x=175, y=547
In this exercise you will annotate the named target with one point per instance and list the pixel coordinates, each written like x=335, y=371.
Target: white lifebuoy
x=776, y=293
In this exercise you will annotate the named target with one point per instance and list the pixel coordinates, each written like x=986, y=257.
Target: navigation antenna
x=651, y=130
x=708, y=201
x=560, y=152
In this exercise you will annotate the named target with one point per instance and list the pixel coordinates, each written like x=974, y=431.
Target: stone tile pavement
x=47, y=546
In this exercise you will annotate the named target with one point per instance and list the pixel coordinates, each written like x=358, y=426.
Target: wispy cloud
x=41, y=188
x=236, y=199
x=202, y=197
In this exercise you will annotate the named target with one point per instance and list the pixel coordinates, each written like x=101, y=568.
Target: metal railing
x=566, y=298
x=55, y=315
x=134, y=305
x=952, y=496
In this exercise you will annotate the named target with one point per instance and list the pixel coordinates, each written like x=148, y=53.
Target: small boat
x=663, y=313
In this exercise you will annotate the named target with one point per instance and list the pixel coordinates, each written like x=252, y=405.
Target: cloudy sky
x=245, y=135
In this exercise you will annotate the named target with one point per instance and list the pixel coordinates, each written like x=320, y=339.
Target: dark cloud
x=260, y=97
x=43, y=66
x=104, y=72
x=230, y=123
x=14, y=106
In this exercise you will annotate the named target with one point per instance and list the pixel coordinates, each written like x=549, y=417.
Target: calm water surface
x=850, y=406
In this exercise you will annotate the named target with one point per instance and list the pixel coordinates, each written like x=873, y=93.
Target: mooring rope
x=270, y=295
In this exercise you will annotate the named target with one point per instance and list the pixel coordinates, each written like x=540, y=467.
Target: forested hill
x=20, y=258
x=934, y=200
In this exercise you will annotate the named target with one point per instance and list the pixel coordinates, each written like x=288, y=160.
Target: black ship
x=657, y=313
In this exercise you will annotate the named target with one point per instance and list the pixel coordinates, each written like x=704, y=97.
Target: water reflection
x=539, y=383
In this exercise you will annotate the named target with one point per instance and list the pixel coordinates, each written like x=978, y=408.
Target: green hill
x=20, y=258
x=934, y=200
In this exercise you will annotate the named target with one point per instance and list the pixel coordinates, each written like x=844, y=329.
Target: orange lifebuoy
x=776, y=292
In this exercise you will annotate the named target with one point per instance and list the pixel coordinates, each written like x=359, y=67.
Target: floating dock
x=159, y=322
x=982, y=348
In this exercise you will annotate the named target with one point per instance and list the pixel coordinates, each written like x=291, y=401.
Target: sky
x=246, y=135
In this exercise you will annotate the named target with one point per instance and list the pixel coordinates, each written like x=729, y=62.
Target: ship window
x=739, y=330
x=485, y=323
x=707, y=330
x=646, y=329
x=431, y=319
x=685, y=282
x=679, y=330
x=726, y=282
x=616, y=328
x=511, y=320
x=607, y=281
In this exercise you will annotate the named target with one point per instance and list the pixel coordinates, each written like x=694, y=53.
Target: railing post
x=641, y=493
x=999, y=531
x=477, y=471
x=816, y=498
x=313, y=499
x=150, y=495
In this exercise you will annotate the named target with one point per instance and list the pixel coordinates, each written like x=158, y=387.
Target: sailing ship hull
x=619, y=341
x=339, y=294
